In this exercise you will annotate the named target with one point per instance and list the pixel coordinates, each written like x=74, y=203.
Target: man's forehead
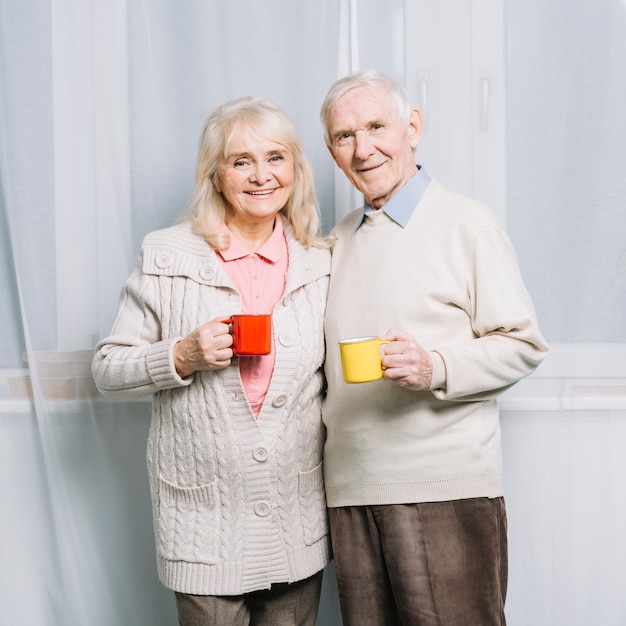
x=362, y=105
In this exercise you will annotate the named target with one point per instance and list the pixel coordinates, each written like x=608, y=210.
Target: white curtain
x=566, y=213
x=566, y=86
x=101, y=105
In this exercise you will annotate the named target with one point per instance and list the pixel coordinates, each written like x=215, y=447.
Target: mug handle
x=382, y=342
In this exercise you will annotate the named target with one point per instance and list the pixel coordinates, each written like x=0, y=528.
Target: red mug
x=252, y=334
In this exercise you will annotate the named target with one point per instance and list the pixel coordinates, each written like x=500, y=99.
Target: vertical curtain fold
x=101, y=108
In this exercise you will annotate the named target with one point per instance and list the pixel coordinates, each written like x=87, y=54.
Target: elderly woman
x=235, y=444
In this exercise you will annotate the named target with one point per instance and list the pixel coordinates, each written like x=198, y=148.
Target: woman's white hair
x=265, y=120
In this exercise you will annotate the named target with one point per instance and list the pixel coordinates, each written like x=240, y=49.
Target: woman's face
x=256, y=177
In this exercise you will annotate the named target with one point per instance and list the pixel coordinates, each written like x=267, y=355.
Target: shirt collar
x=401, y=205
x=270, y=250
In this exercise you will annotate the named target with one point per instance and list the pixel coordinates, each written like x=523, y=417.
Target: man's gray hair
x=368, y=79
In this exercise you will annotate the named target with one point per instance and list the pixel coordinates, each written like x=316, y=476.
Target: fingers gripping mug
x=361, y=359
x=252, y=334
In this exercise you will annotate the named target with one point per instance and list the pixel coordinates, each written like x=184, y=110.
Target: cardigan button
x=260, y=454
x=207, y=272
x=278, y=401
x=262, y=508
x=163, y=260
x=286, y=339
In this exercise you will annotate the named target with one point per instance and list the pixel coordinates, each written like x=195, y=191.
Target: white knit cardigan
x=238, y=503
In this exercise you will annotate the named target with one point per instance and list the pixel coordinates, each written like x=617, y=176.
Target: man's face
x=370, y=144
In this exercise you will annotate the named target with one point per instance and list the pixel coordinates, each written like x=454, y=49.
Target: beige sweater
x=238, y=503
x=451, y=279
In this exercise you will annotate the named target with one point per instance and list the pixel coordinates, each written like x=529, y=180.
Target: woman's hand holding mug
x=208, y=347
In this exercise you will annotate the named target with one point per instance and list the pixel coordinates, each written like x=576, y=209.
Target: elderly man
x=413, y=465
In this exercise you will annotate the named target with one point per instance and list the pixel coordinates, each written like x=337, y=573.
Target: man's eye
x=376, y=126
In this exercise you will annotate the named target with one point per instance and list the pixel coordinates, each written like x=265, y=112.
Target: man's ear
x=416, y=127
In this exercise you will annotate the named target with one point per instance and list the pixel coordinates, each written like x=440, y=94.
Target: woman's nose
x=261, y=173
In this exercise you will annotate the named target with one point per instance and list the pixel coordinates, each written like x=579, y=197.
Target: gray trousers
x=428, y=564
x=284, y=604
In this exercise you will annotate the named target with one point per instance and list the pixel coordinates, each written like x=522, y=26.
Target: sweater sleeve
x=507, y=343
x=135, y=360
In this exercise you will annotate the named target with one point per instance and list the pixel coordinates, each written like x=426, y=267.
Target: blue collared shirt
x=401, y=205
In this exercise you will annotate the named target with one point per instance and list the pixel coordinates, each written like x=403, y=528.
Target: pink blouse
x=260, y=279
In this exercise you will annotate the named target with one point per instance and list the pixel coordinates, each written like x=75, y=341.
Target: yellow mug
x=361, y=359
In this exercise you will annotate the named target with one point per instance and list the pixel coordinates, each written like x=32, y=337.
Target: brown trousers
x=428, y=564
x=284, y=604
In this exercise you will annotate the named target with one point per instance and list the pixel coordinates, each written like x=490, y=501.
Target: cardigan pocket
x=313, y=513
x=188, y=523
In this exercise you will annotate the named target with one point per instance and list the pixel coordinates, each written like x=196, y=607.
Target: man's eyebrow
x=338, y=133
x=374, y=122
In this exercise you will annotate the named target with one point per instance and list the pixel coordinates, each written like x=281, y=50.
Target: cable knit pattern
x=238, y=503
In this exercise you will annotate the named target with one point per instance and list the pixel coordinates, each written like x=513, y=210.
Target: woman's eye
x=240, y=164
x=276, y=158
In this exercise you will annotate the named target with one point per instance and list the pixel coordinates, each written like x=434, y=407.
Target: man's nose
x=363, y=146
